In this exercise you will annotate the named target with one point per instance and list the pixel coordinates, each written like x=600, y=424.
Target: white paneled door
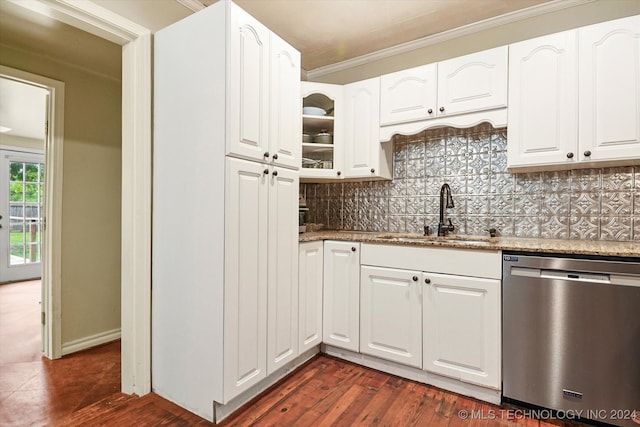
x=341, y=308
x=282, y=288
x=462, y=328
x=610, y=90
x=21, y=215
x=245, y=296
x=391, y=314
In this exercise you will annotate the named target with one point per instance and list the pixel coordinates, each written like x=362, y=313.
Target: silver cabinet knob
x=353, y=248
x=587, y=153
x=569, y=155
x=427, y=281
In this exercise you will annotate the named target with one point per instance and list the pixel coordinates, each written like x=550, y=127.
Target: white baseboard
x=90, y=341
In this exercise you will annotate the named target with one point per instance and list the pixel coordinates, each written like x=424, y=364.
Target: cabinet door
x=391, y=314
x=248, y=86
x=408, y=95
x=341, y=308
x=543, y=101
x=362, y=128
x=310, y=295
x=285, y=125
x=610, y=90
x=473, y=82
x=323, y=160
x=245, y=296
x=462, y=328
x=282, y=312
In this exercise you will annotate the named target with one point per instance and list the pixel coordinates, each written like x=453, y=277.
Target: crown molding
x=465, y=30
x=87, y=16
x=193, y=5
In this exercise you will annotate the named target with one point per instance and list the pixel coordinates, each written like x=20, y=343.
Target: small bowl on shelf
x=323, y=137
x=313, y=111
x=307, y=138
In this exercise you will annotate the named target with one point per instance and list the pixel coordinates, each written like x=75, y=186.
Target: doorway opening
x=30, y=193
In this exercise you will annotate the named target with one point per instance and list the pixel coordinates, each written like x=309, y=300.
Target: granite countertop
x=581, y=247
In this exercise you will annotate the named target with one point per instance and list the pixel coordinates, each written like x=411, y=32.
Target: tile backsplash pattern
x=594, y=204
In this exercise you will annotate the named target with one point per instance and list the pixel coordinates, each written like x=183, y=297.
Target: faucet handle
x=492, y=232
x=427, y=230
x=451, y=226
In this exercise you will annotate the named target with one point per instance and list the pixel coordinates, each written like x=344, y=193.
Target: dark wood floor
x=83, y=389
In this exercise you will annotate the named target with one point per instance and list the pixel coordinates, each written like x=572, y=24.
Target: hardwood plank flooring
x=33, y=389
x=332, y=392
x=83, y=390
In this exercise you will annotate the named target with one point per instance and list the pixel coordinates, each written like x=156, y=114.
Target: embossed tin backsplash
x=595, y=204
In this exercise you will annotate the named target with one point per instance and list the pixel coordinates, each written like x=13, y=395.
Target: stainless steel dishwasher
x=571, y=336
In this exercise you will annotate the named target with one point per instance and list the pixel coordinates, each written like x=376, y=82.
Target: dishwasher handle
x=576, y=276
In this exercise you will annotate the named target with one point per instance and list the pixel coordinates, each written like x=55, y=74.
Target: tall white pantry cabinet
x=227, y=121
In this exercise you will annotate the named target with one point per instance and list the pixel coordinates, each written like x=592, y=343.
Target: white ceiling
x=331, y=31
x=22, y=109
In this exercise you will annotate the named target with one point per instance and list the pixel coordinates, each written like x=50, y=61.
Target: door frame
x=136, y=174
x=52, y=244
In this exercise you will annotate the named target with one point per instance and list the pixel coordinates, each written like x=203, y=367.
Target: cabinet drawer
x=464, y=262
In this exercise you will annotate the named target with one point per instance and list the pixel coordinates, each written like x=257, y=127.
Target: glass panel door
x=21, y=210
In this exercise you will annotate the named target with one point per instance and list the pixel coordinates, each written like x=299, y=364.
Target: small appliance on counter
x=303, y=210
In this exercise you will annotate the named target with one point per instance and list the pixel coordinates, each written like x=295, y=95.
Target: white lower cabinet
x=310, y=294
x=391, y=314
x=341, y=296
x=282, y=259
x=462, y=328
x=245, y=276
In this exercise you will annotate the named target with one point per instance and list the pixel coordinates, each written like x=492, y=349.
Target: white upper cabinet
x=543, y=103
x=364, y=154
x=610, y=90
x=352, y=121
x=248, y=86
x=264, y=94
x=322, y=157
x=284, y=121
x=473, y=82
x=408, y=95
x=574, y=97
x=457, y=92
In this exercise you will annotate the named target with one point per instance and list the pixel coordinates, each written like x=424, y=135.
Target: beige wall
x=585, y=14
x=91, y=194
x=22, y=142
